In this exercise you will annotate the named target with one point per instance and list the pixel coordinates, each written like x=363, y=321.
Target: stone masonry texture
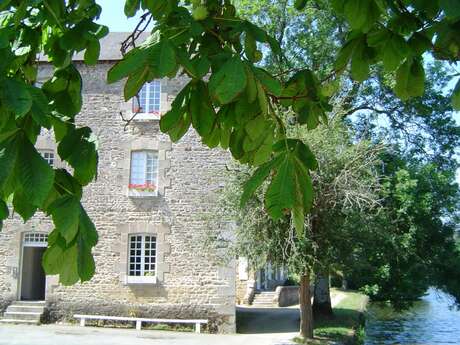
x=189, y=284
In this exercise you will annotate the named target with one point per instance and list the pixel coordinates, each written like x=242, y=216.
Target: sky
x=113, y=16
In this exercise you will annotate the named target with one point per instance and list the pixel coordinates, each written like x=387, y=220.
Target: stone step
x=264, y=299
x=264, y=294
x=25, y=308
x=22, y=316
x=262, y=302
x=29, y=303
x=20, y=322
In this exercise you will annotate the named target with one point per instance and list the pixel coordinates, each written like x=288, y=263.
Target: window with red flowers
x=144, y=171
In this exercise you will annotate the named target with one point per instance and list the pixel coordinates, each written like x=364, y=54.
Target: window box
x=141, y=280
x=136, y=193
x=144, y=117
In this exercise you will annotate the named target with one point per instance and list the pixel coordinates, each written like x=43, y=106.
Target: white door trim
x=39, y=239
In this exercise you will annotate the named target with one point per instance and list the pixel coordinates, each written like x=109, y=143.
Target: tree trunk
x=306, y=315
x=322, y=296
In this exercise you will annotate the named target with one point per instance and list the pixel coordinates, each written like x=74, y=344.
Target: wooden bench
x=139, y=320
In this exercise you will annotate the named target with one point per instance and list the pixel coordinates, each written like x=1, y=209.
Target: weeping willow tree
x=346, y=181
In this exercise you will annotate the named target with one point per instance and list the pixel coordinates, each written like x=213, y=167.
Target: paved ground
x=267, y=320
x=252, y=320
x=260, y=326
x=74, y=335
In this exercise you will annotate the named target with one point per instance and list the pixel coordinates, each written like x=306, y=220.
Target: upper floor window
x=148, y=100
x=144, y=171
x=142, y=255
x=48, y=155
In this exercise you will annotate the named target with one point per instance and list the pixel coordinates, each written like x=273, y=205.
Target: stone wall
x=286, y=296
x=188, y=283
x=241, y=288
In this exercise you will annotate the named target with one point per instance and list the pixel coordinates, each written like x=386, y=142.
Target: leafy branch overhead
x=27, y=182
x=229, y=98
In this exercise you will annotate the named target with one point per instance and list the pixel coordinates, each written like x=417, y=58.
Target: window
x=142, y=255
x=148, y=100
x=48, y=156
x=144, y=171
x=37, y=238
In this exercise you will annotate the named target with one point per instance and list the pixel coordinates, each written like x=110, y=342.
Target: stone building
x=148, y=204
x=261, y=286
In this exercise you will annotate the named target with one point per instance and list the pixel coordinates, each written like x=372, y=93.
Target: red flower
x=142, y=186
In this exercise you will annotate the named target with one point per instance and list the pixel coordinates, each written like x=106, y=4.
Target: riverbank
x=347, y=325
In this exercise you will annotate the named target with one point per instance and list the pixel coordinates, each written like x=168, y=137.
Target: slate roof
x=110, y=47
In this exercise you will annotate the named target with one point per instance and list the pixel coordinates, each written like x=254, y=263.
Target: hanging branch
x=130, y=41
x=128, y=121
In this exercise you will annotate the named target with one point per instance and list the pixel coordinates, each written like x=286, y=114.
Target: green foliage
x=392, y=46
x=290, y=187
x=410, y=80
x=422, y=127
x=344, y=184
x=57, y=30
x=456, y=96
x=229, y=81
x=411, y=245
x=231, y=101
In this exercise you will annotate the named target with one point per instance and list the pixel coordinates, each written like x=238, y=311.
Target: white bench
x=139, y=320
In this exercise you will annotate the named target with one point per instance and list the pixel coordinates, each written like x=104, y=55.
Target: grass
x=169, y=327
x=347, y=325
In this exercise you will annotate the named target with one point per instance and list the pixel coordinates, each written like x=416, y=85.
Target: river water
x=430, y=321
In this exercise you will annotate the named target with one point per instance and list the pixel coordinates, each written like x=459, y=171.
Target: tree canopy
x=230, y=100
x=409, y=245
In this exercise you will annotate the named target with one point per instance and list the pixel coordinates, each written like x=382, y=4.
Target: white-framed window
x=142, y=258
x=148, y=100
x=48, y=155
x=35, y=239
x=144, y=171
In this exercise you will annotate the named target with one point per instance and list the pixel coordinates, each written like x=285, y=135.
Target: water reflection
x=430, y=321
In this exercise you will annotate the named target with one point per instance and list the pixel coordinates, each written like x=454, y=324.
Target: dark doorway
x=33, y=280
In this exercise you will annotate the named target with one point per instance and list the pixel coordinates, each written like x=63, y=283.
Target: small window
x=144, y=171
x=48, y=156
x=148, y=100
x=35, y=238
x=142, y=255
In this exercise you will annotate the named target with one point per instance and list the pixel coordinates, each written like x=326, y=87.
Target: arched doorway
x=33, y=278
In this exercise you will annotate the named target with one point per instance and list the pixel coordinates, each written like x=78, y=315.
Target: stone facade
x=249, y=280
x=188, y=284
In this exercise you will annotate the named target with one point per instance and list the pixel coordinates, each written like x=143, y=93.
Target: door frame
x=36, y=244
